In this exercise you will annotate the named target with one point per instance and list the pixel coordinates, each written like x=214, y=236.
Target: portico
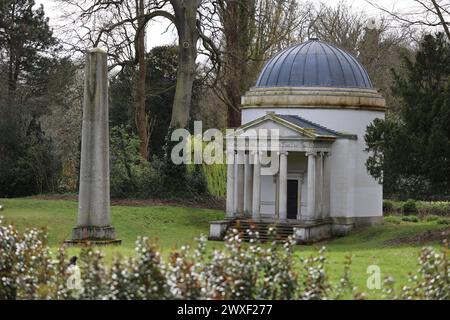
x=284, y=180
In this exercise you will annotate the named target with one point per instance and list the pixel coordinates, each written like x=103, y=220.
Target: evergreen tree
x=25, y=34
x=27, y=160
x=411, y=151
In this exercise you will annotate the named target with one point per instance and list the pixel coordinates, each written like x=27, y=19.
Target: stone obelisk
x=94, y=225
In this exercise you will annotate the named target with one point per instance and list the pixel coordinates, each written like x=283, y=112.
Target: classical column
x=235, y=193
x=256, y=187
x=230, y=185
x=283, y=186
x=240, y=183
x=319, y=186
x=248, y=189
x=276, y=182
x=326, y=185
x=94, y=198
x=300, y=199
x=311, y=205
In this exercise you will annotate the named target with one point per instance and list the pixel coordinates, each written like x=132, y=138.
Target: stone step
x=281, y=232
x=262, y=229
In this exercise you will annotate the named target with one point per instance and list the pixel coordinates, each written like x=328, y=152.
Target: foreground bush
x=28, y=270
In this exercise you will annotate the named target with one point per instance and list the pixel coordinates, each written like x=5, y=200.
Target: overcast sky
x=160, y=36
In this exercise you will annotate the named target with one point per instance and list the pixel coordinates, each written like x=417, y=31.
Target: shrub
x=28, y=163
x=388, y=206
x=431, y=218
x=432, y=280
x=237, y=271
x=410, y=207
x=216, y=178
x=27, y=268
x=439, y=208
x=393, y=219
x=410, y=219
x=392, y=207
x=443, y=221
x=196, y=181
x=424, y=208
x=215, y=175
x=179, y=181
x=131, y=175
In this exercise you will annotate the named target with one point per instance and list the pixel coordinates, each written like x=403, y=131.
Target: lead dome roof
x=314, y=64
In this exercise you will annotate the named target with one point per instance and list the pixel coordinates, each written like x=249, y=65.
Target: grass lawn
x=175, y=226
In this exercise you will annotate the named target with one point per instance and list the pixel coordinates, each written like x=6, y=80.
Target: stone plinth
x=93, y=236
x=218, y=229
x=311, y=233
x=93, y=233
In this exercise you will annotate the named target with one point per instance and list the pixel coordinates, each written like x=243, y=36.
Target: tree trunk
x=441, y=18
x=237, y=19
x=185, y=21
x=141, y=114
x=233, y=116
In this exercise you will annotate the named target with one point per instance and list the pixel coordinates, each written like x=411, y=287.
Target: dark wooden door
x=292, y=199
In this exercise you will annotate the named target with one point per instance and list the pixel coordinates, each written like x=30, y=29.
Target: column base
x=96, y=236
x=218, y=229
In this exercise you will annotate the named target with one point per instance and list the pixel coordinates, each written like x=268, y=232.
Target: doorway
x=292, y=199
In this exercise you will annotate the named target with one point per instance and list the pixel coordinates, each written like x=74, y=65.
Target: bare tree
x=246, y=34
x=423, y=13
x=379, y=47
x=142, y=121
x=339, y=25
x=120, y=27
x=185, y=19
x=117, y=26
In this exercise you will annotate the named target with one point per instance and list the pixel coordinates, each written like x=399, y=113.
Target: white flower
x=74, y=279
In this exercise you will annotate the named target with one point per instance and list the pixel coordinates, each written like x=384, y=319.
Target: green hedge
x=420, y=208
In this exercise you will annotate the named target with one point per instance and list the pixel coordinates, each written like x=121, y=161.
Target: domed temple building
x=319, y=100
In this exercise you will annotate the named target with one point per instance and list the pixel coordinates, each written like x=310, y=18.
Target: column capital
x=325, y=153
x=255, y=153
x=311, y=153
x=284, y=153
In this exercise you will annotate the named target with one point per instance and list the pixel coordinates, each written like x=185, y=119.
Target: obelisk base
x=93, y=236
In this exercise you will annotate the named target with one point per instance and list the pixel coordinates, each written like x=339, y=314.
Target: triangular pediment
x=269, y=124
x=286, y=128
